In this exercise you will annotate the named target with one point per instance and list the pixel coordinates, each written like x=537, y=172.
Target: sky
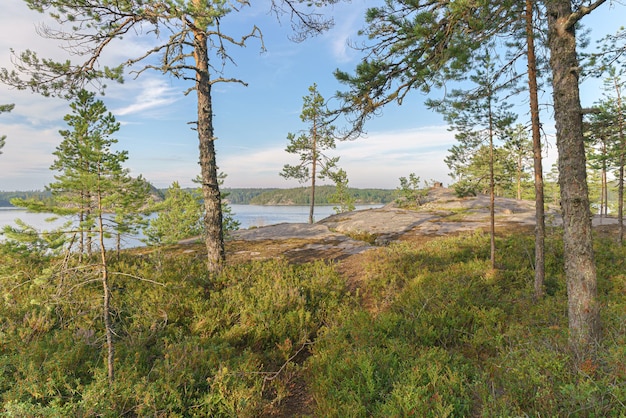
x=251, y=122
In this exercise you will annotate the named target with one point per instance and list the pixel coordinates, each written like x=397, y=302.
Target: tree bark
x=540, y=224
x=106, y=303
x=492, y=192
x=208, y=167
x=519, y=172
x=313, y=172
x=604, y=185
x=622, y=145
x=312, y=206
x=580, y=271
x=88, y=220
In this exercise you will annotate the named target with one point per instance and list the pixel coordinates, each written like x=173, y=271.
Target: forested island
x=302, y=196
x=5, y=197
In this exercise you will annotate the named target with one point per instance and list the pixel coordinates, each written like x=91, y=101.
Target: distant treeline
x=257, y=196
x=302, y=196
x=5, y=197
x=243, y=196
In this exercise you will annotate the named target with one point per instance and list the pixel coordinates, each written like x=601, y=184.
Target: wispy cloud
x=152, y=94
x=346, y=28
x=376, y=161
x=381, y=158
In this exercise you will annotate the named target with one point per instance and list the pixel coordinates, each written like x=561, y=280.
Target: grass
x=362, y=236
x=422, y=329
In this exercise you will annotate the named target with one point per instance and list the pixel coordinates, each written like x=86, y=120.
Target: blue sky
x=251, y=122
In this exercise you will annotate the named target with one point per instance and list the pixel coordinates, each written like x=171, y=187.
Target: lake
x=247, y=215
x=258, y=215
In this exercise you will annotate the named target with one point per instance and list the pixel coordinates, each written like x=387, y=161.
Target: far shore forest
x=254, y=196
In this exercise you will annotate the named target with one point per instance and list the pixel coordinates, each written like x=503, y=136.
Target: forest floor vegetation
x=335, y=323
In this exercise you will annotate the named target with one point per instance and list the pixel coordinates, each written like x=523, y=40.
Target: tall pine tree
x=480, y=118
x=93, y=186
x=311, y=144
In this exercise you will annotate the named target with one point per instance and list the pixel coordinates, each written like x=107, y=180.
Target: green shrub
x=185, y=345
x=410, y=194
x=373, y=367
x=452, y=338
x=438, y=333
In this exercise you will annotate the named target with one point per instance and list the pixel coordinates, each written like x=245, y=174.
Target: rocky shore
x=345, y=234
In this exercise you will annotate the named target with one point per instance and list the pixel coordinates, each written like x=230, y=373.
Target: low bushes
x=431, y=331
x=449, y=337
x=185, y=345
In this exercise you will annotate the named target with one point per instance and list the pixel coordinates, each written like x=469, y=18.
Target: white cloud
x=149, y=94
x=27, y=156
x=33, y=109
x=381, y=158
x=376, y=161
x=254, y=167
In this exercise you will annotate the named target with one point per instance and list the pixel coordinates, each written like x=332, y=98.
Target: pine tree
x=311, y=144
x=342, y=195
x=480, y=118
x=579, y=261
x=609, y=58
x=179, y=217
x=131, y=209
x=87, y=140
x=92, y=186
x=599, y=136
x=519, y=147
x=616, y=82
x=411, y=193
x=533, y=93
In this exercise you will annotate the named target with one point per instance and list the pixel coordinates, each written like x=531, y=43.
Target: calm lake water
x=247, y=215
x=256, y=215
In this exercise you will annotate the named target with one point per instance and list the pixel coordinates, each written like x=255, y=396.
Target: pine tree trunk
x=312, y=206
x=519, y=178
x=604, y=195
x=620, y=198
x=210, y=183
x=580, y=271
x=313, y=173
x=622, y=146
x=492, y=191
x=540, y=224
x=604, y=188
x=605, y=182
x=88, y=220
x=106, y=304
x=81, y=245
